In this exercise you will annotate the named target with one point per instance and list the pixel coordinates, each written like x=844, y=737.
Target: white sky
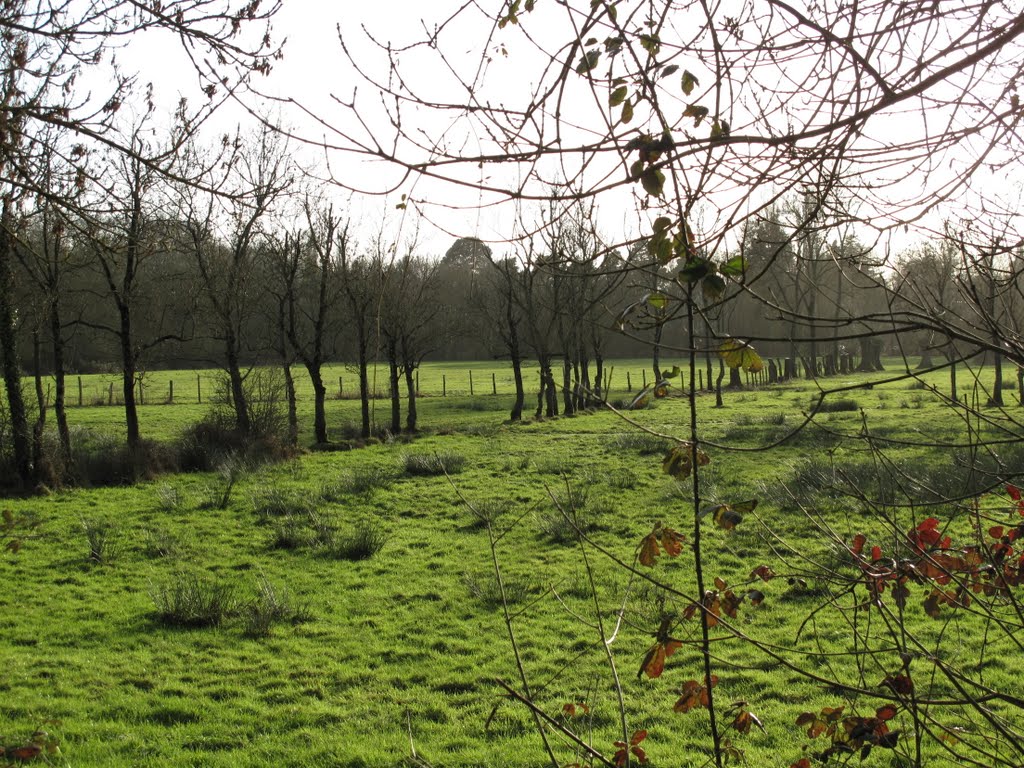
x=314, y=72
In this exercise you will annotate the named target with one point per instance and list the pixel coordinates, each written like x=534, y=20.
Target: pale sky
x=315, y=73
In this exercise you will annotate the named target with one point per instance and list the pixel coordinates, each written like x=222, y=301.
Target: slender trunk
x=319, y=401
x=242, y=421
x=551, y=390
x=586, y=395
x=40, y=425
x=128, y=375
x=364, y=381
x=718, y=382
x=952, y=374
x=567, y=400
x=656, y=352
x=997, y=385
x=396, y=402
x=410, y=386
x=11, y=364
x=59, y=409
x=517, y=374
x=293, y=411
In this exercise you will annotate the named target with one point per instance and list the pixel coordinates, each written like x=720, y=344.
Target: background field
x=404, y=647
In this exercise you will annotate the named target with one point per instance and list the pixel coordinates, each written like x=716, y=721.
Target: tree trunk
x=293, y=411
x=319, y=400
x=40, y=426
x=567, y=399
x=59, y=405
x=11, y=364
x=735, y=379
x=718, y=382
x=599, y=378
x=656, y=352
x=128, y=375
x=396, y=398
x=551, y=391
x=997, y=384
x=242, y=421
x=364, y=382
x=410, y=386
x=517, y=374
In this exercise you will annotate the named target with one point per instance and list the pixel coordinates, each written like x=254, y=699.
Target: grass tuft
x=430, y=464
x=192, y=602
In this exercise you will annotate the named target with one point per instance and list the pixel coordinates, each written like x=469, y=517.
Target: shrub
x=361, y=542
x=101, y=535
x=190, y=601
x=205, y=444
x=270, y=606
x=169, y=498
x=429, y=464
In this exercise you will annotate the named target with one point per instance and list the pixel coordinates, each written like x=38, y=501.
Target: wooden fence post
x=629, y=383
x=341, y=386
x=494, y=384
x=644, y=372
x=110, y=394
x=199, y=389
x=79, y=390
x=444, y=386
x=471, y=383
x=170, y=394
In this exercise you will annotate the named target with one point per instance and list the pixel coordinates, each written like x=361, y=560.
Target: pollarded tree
x=222, y=235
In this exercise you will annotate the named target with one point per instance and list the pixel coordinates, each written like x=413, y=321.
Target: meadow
x=342, y=608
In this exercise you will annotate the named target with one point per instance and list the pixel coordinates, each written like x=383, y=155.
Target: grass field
x=374, y=658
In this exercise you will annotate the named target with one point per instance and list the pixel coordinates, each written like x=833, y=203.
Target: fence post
x=142, y=394
x=629, y=382
x=494, y=384
x=444, y=386
x=110, y=393
x=700, y=379
x=471, y=383
x=417, y=382
x=341, y=386
x=199, y=389
x=79, y=390
x=170, y=395
x=644, y=372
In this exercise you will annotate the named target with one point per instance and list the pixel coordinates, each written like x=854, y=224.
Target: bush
x=101, y=535
x=361, y=542
x=192, y=602
x=429, y=464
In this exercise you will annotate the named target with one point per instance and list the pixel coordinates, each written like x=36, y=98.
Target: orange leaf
x=649, y=550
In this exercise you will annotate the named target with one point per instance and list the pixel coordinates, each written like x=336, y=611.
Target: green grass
x=411, y=638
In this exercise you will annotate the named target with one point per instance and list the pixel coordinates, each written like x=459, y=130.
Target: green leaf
x=653, y=181
x=651, y=43
x=671, y=69
x=739, y=354
x=661, y=249
x=618, y=96
x=661, y=224
x=694, y=270
x=734, y=267
x=689, y=82
x=627, y=112
x=588, y=61
x=697, y=112
x=636, y=169
x=713, y=287
x=528, y=6
x=676, y=371
x=657, y=300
